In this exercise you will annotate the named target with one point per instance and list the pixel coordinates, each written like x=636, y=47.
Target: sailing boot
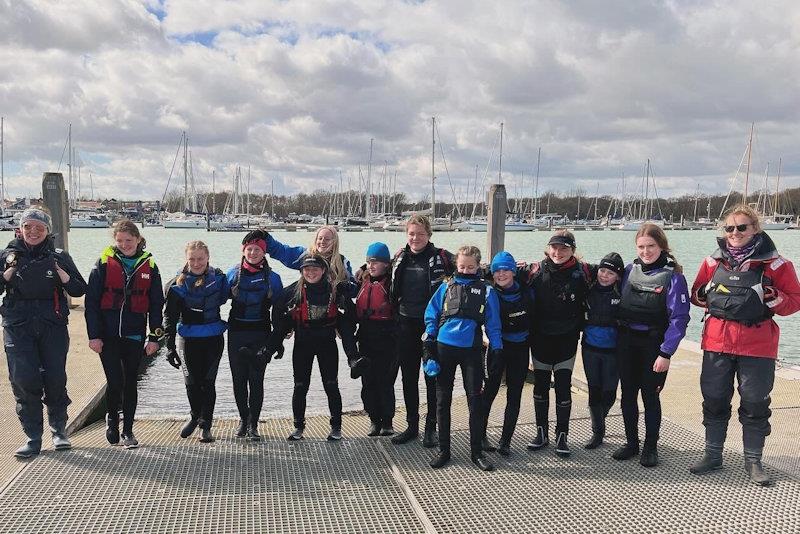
x=60, y=440
x=241, y=430
x=374, y=429
x=112, y=428
x=188, y=428
x=756, y=472
x=711, y=460
x=598, y=427
x=429, y=440
x=562, y=449
x=542, y=439
x=410, y=433
x=440, y=460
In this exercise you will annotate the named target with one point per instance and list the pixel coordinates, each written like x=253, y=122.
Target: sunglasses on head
x=740, y=227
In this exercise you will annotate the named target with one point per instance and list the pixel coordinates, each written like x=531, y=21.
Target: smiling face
x=647, y=249
x=33, y=232
x=739, y=238
x=197, y=260
x=559, y=253
x=466, y=264
x=126, y=243
x=418, y=237
x=503, y=278
x=606, y=277
x=312, y=274
x=253, y=254
x=377, y=268
x=324, y=241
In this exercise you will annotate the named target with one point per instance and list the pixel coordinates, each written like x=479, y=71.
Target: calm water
x=161, y=389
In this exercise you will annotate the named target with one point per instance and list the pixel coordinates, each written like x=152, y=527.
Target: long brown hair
x=193, y=245
x=658, y=235
x=129, y=227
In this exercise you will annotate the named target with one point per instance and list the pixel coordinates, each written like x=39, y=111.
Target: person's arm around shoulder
x=433, y=311
x=493, y=324
x=289, y=256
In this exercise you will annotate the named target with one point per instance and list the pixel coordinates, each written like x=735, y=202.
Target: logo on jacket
x=145, y=276
x=475, y=291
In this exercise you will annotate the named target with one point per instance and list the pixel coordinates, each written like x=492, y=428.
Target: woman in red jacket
x=741, y=285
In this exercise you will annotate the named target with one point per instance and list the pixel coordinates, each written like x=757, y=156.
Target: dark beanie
x=613, y=261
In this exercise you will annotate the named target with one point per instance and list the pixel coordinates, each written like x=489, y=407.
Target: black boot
x=60, y=440
x=755, y=471
x=542, y=439
x=241, y=430
x=188, y=428
x=297, y=435
x=598, y=427
x=112, y=428
x=481, y=461
x=504, y=448
x=562, y=449
x=706, y=464
x=486, y=446
x=387, y=429
x=410, y=433
x=252, y=432
x=206, y=436
x=649, y=456
x=626, y=452
x=429, y=439
x=440, y=460
x=32, y=447
x=335, y=434
x=374, y=429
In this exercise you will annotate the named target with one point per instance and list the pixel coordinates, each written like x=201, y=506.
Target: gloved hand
x=269, y=350
x=173, y=358
x=702, y=292
x=358, y=364
x=769, y=290
x=429, y=350
x=496, y=363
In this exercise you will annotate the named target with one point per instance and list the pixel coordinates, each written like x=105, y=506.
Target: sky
x=296, y=90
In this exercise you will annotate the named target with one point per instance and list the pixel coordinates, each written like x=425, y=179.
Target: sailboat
x=776, y=221
x=643, y=213
x=190, y=217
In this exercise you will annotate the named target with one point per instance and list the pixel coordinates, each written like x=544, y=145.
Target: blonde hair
x=655, y=232
x=193, y=245
x=336, y=269
x=129, y=227
x=748, y=211
x=469, y=251
x=421, y=220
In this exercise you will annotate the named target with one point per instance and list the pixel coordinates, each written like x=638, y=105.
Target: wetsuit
x=193, y=326
x=598, y=347
x=415, y=278
x=315, y=316
x=377, y=332
x=253, y=288
x=560, y=296
x=653, y=313
x=35, y=332
x=454, y=318
x=516, y=316
x=124, y=295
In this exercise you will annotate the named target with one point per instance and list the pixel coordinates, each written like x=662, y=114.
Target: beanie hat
x=504, y=261
x=256, y=237
x=35, y=214
x=378, y=251
x=613, y=262
x=314, y=260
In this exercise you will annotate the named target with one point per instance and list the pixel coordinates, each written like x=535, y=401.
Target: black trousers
x=377, y=381
x=636, y=353
x=755, y=377
x=201, y=356
x=247, y=371
x=516, y=357
x=36, y=352
x=553, y=357
x=602, y=377
x=121, y=358
x=305, y=348
x=409, y=356
x=471, y=362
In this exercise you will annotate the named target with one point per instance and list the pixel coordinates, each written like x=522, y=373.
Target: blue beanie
x=378, y=251
x=504, y=261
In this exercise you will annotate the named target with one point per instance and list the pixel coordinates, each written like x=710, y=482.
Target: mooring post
x=54, y=195
x=497, y=205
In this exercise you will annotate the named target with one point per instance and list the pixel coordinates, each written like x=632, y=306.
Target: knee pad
x=331, y=385
x=540, y=398
x=301, y=387
x=755, y=410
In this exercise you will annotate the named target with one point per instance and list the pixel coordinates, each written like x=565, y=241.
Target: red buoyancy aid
x=373, y=302
x=137, y=291
x=313, y=316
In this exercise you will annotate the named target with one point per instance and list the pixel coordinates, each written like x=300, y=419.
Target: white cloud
x=297, y=89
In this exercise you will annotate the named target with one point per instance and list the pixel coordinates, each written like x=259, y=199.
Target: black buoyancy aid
x=602, y=307
x=252, y=295
x=560, y=299
x=201, y=304
x=36, y=279
x=373, y=301
x=118, y=288
x=738, y=295
x=314, y=315
x=438, y=268
x=517, y=315
x=644, y=297
x=464, y=300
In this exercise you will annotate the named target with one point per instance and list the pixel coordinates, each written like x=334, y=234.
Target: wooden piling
x=496, y=220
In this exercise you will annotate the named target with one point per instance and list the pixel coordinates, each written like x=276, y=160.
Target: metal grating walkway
x=370, y=485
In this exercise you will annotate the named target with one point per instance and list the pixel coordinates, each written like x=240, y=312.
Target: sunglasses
x=740, y=227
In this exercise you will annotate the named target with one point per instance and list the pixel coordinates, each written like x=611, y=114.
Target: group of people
x=422, y=307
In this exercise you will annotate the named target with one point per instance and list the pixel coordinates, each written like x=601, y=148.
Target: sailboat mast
x=433, y=168
x=2, y=166
x=369, y=183
x=749, y=156
x=185, y=173
x=500, y=163
x=69, y=142
x=536, y=184
x=778, y=185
